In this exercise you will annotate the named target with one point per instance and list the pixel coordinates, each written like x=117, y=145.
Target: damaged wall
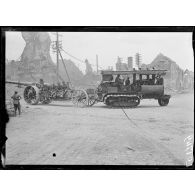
x=174, y=79
x=36, y=62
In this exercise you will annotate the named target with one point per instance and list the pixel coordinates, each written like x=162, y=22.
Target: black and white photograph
x=96, y=97
x=99, y=98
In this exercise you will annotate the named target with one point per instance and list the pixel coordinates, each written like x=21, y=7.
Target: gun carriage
x=43, y=93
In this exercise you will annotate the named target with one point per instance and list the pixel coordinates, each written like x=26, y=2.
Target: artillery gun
x=144, y=84
x=43, y=93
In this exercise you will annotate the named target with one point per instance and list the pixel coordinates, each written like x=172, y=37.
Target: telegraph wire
x=57, y=46
x=78, y=59
x=73, y=56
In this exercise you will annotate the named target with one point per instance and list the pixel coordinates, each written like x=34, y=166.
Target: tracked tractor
x=114, y=91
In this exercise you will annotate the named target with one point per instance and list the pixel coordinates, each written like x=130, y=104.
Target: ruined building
x=88, y=69
x=35, y=62
x=124, y=66
x=175, y=78
x=91, y=78
x=37, y=48
x=188, y=79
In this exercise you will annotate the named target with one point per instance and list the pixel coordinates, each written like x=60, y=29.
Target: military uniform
x=127, y=82
x=16, y=101
x=118, y=82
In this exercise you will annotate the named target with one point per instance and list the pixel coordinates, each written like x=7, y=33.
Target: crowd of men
x=61, y=86
x=155, y=80
x=58, y=86
x=55, y=91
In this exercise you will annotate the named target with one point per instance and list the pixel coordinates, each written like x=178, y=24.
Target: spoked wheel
x=80, y=98
x=91, y=100
x=163, y=101
x=31, y=95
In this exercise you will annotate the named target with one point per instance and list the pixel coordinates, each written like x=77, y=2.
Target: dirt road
x=60, y=133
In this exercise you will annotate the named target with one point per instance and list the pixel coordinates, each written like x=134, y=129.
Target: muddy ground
x=60, y=133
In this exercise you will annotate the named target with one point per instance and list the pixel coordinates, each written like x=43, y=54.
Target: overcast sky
x=110, y=45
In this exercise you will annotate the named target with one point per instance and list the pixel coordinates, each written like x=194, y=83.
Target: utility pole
x=57, y=46
x=57, y=53
x=97, y=63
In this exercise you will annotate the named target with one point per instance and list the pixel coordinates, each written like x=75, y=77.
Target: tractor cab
x=132, y=80
x=135, y=84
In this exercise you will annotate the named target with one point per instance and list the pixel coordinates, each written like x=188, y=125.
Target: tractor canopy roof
x=129, y=72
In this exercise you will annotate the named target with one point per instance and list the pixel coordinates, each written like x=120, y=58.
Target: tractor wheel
x=163, y=101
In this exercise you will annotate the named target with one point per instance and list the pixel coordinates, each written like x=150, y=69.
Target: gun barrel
x=23, y=83
x=18, y=83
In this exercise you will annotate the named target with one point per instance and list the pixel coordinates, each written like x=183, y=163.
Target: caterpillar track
x=122, y=100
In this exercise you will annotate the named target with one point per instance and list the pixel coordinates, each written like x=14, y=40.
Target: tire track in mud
x=149, y=136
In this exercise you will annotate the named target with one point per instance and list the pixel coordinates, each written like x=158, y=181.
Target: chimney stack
x=130, y=63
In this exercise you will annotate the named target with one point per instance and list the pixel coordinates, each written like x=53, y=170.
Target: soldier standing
x=16, y=101
x=118, y=82
x=41, y=82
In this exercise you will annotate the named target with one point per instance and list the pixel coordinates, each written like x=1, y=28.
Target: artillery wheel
x=31, y=95
x=163, y=101
x=80, y=98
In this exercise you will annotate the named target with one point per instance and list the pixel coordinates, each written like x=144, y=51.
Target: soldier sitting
x=118, y=80
x=159, y=80
x=41, y=82
x=127, y=82
x=59, y=86
x=64, y=85
x=151, y=82
x=111, y=78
